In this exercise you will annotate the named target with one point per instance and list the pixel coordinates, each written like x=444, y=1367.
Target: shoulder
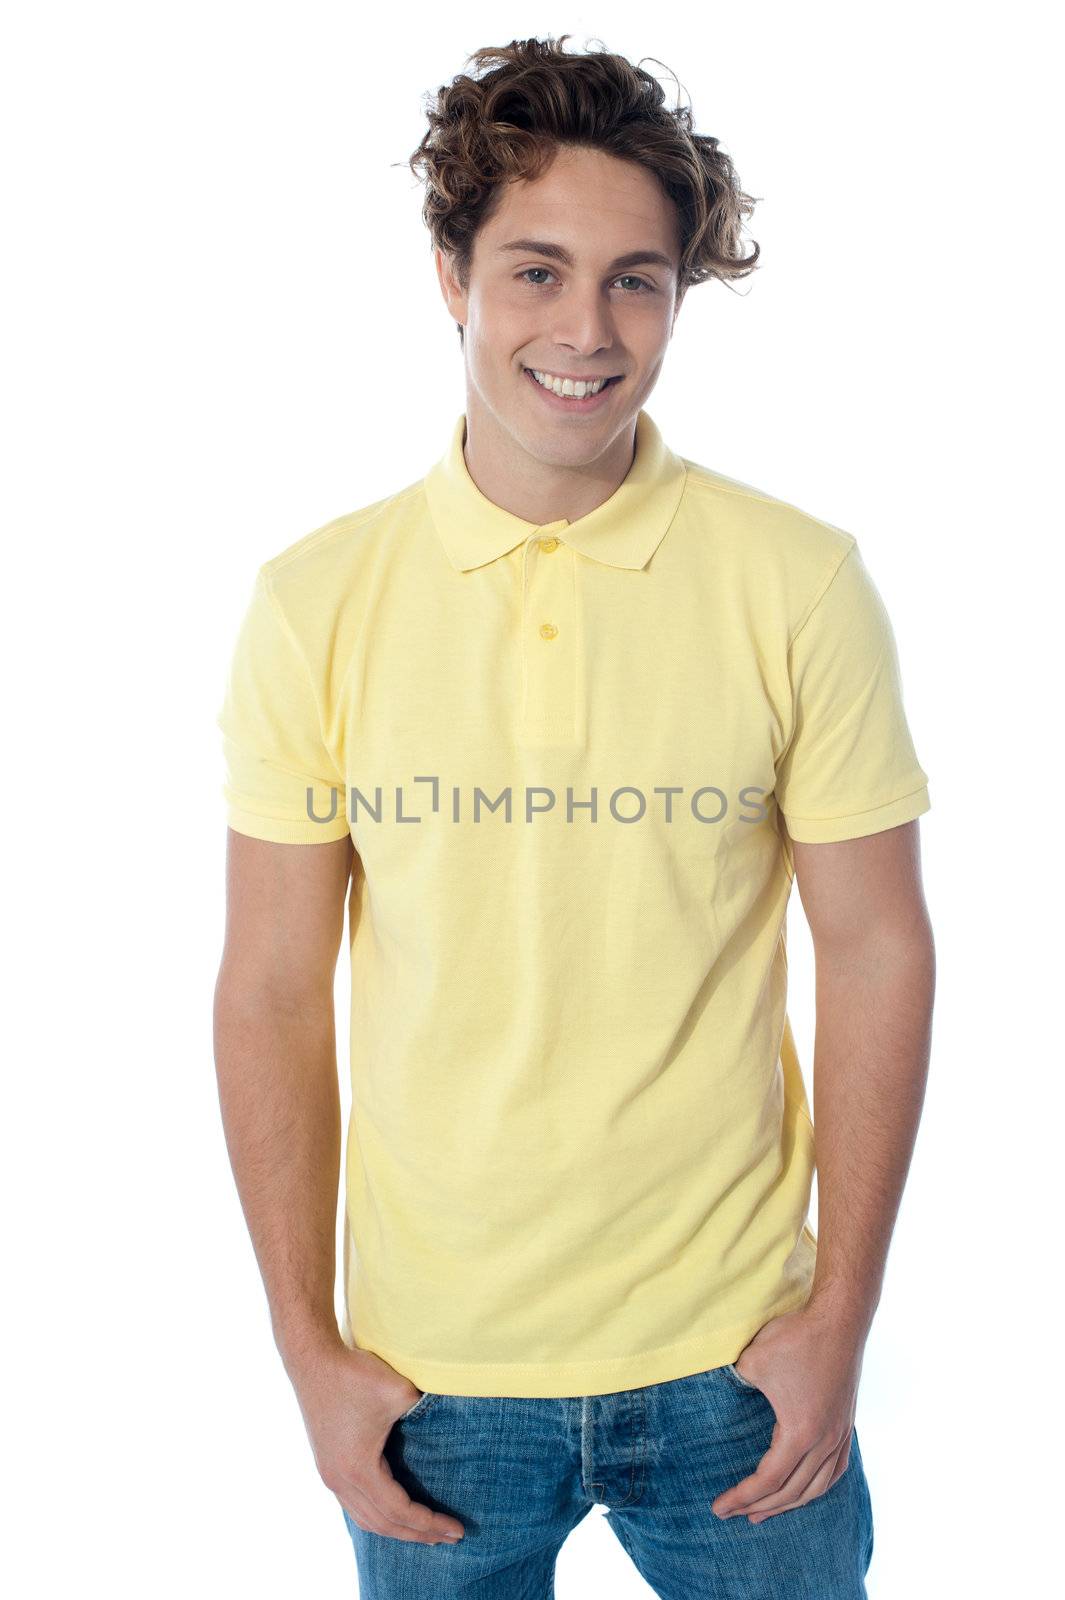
x=784, y=552
x=777, y=526
x=318, y=573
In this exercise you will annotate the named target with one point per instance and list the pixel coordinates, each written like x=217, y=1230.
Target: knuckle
x=354, y=1474
x=401, y=1509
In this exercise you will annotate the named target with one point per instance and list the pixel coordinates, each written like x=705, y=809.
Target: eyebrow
x=557, y=252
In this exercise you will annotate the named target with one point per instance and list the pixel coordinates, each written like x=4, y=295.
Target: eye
x=523, y=276
x=644, y=286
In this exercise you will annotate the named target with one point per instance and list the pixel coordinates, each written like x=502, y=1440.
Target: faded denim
x=520, y=1474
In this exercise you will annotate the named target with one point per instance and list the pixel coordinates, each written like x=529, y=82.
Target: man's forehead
x=626, y=193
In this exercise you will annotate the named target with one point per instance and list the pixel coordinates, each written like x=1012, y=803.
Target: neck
x=540, y=488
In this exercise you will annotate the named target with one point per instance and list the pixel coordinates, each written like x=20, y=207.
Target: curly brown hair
x=531, y=96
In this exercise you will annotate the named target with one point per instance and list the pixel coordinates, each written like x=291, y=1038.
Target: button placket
x=549, y=641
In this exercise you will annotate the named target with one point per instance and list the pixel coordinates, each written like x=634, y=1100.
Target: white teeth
x=564, y=386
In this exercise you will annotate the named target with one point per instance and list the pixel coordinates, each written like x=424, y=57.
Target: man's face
x=583, y=316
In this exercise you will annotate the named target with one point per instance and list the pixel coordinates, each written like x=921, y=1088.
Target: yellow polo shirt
x=580, y=1151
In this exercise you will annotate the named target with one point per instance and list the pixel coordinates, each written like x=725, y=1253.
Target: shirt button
x=549, y=544
x=547, y=630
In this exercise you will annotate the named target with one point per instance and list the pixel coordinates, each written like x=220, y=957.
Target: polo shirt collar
x=624, y=531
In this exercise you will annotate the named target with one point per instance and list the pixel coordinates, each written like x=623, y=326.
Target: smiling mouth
x=606, y=383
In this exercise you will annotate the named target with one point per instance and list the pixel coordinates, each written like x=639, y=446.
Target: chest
x=551, y=692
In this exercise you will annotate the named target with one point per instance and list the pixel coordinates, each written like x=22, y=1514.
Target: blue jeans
x=520, y=1474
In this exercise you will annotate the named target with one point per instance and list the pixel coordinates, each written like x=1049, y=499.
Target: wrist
x=308, y=1342
x=847, y=1313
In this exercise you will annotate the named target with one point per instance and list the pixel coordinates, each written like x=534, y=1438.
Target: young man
x=561, y=720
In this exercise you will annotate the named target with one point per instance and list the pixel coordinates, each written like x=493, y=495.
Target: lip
x=568, y=403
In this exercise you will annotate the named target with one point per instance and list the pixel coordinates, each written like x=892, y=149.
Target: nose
x=582, y=323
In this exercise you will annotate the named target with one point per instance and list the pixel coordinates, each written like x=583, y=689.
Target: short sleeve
x=271, y=725
x=850, y=768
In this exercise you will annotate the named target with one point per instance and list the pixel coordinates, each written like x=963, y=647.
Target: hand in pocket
x=351, y=1400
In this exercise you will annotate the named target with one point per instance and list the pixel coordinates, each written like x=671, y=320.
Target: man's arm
x=275, y=1053
x=875, y=983
x=875, y=978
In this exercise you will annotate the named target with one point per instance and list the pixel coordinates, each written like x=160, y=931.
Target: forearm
x=279, y=1096
x=871, y=1056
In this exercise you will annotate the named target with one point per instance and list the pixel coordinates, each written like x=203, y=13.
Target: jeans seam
x=638, y=1444
x=423, y=1403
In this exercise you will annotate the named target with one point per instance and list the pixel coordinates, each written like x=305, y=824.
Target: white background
x=222, y=329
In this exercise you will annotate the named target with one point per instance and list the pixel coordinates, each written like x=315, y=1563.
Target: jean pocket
x=422, y=1403
x=739, y=1379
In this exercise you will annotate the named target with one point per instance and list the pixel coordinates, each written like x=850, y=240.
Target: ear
x=454, y=297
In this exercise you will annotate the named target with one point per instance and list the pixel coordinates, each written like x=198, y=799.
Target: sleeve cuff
x=832, y=830
x=283, y=830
